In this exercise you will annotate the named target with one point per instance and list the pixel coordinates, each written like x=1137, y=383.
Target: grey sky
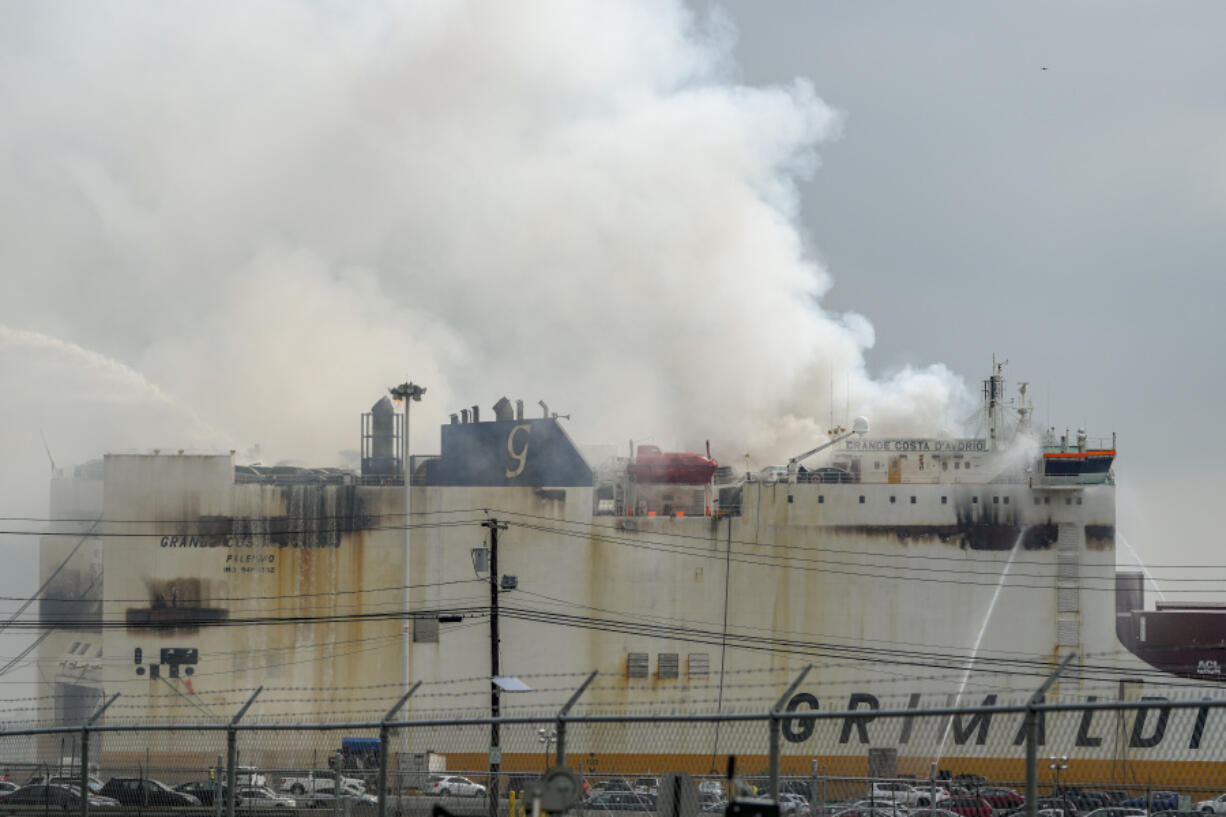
x=1072, y=219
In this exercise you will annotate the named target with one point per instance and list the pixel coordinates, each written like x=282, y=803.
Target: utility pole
x=495, y=690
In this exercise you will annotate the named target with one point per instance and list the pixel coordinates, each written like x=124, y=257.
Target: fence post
x=232, y=752
x=560, y=747
x=813, y=783
x=932, y=785
x=217, y=795
x=384, y=744
x=775, y=725
x=1032, y=736
x=337, y=760
x=84, y=755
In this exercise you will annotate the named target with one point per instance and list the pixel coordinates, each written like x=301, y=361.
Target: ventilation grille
x=700, y=665
x=1067, y=632
x=1068, y=567
x=1067, y=600
x=667, y=664
x=637, y=664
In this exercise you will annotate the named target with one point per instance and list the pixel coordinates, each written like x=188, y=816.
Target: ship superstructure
x=909, y=571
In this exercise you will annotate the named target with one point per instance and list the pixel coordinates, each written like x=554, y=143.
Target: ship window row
x=996, y=500
x=1068, y=500
x=958, y=464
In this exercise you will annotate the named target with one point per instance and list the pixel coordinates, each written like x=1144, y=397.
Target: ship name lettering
x=800, y=730
x=918, y=444
x=1148, y=731
x=860, y=724
x=1208, y=667
x=1083, y=729
x=1138, y=739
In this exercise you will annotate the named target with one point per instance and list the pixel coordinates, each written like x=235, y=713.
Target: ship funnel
x=502, y=410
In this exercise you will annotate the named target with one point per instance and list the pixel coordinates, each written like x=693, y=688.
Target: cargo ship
x=909, y=572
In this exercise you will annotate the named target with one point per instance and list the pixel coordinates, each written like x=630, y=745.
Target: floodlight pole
x=410, y=393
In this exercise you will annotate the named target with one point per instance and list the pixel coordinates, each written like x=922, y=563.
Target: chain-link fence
x=1063, y=758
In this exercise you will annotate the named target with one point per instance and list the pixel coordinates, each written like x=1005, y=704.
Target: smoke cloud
x=230, y=224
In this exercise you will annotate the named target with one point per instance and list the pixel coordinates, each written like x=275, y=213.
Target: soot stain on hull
x=973, y=536
x=316, y=517
x=1100, y=537
x=176, y=606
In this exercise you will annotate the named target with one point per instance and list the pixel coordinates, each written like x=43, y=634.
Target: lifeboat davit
x=674, y=467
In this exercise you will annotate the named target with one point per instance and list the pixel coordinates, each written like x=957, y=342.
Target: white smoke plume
x=275, y=211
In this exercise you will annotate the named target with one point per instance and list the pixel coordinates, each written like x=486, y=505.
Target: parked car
x=891, y=807
x=647, y=785
x=8, y=787
x=325, y=796
x=617, y=801
x=891, y=791
x=312, y=780
x=1157, y=801
x=142, y=791
x=613, y=784
x=858, y=810
x=204, y=791
x=715, y=787
x=262, y=797
x=95, y=785
x=933, y=812
x=53, y=794
x=793, y=805
x=967, y=806
x=1002, y=799
x=1117, y=811
x=796, y=785
x=453, y=785
x=1066, y=807
x=1217, y=805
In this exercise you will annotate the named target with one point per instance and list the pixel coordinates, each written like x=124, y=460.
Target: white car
x=325, y=796
x=793, y=805
x=455, y=786
x=904, y=794
x=262, y=797
x=1216, y=805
